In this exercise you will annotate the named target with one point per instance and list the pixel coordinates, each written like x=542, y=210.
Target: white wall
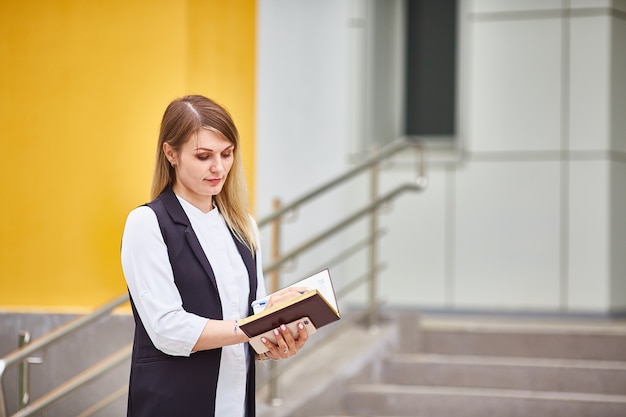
x=302, y=80
x=302, y=110
x=532, y=217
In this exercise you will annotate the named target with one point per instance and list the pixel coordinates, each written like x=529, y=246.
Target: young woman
x=192, y=263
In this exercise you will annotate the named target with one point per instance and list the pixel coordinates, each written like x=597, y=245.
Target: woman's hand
x=284, y=295
x=286, y=344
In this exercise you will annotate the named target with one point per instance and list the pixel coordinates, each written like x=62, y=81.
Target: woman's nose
x=217, y=166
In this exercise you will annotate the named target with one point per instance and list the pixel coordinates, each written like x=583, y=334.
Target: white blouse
x=151, y=283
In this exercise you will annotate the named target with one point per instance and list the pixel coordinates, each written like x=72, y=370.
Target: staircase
x=471, y=367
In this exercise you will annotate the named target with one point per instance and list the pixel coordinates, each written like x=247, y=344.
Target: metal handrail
x=44, y=341
x=382, y=154
x=341, y=225
x=113, y=360
x=62, y=390
x=23, y=353
x=278, y=260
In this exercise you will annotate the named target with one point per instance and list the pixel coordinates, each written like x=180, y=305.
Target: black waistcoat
x=169, y=386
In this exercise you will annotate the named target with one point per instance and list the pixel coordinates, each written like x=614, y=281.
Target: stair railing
x=21, y=356
x=373, y=164
x=279, y=259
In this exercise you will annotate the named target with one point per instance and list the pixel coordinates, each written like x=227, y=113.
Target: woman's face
x=202, y=166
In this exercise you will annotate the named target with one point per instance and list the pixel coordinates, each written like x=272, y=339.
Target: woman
x=192, y=264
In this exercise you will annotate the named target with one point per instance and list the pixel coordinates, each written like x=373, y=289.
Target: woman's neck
x=201, y=202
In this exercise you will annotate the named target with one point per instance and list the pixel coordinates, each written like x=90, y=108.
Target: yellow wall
x=83, y=86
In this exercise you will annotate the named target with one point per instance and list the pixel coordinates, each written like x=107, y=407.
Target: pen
x=261, y=303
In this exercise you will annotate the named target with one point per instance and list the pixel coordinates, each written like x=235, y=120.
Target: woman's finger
x=286, y=344
x=303, y=336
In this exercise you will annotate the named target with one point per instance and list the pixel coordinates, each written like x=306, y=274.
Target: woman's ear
x=170, y=154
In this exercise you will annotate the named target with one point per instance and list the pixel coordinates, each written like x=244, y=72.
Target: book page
x=319, y=281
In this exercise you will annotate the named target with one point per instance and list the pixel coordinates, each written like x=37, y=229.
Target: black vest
x=168, y=386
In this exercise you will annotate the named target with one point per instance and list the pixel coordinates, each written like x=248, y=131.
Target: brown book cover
x=311, y=304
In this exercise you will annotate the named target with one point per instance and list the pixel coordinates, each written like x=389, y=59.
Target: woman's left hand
x=287, y=344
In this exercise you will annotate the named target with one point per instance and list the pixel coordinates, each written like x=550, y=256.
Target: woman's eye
x=227, y=155
x=203, y=157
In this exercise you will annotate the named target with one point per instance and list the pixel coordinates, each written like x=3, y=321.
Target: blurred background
x=516, y=107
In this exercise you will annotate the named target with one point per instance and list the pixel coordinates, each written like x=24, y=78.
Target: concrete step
x=312, y=383
x=422, y=401
x=440, y=367
x=517, y=338
x=558, y=375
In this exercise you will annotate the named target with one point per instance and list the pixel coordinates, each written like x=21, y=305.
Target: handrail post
x=23, y=384
x=373, y=253
x=275, y=247
x=421, y=179
x=3, y=406
x=274, y=383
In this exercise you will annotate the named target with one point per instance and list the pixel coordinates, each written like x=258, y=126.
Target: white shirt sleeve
x=150, y=281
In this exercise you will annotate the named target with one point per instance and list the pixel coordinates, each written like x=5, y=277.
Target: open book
x=314, y=308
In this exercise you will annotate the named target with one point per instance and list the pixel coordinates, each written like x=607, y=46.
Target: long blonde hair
x=184, y=117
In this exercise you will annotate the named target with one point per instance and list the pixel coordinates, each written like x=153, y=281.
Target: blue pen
x=258, y=306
